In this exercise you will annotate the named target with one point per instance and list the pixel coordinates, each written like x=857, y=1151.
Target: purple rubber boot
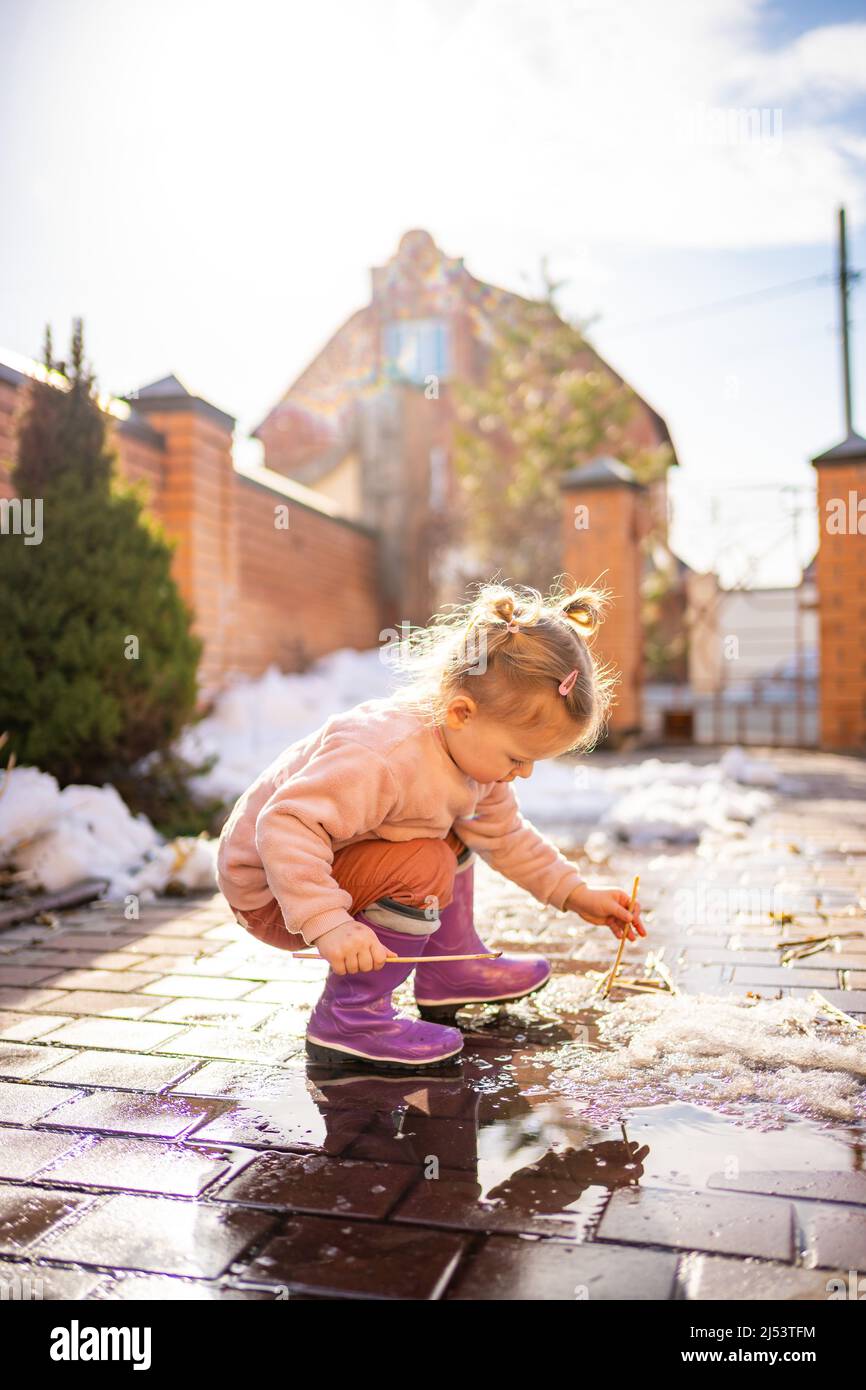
x=355, y=1023
x=440, y=990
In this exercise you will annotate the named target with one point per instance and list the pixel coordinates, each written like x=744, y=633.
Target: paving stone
x=237, y=1080
x=25, y=1027
x=510, y=1269
x=231, y=1044
x=112, y=961
x=102, y=1004
x=24, y=1151
x=26, y=999
x=784, y=976
x=22, y=1102
x=25, y=932
x=835, y=1236
x=119, y=1112
x=162, y=1235
x=818, y=1183
x=138, y=1165
x=849, y=1000
x=164, y=923
x=523, y=1205
x=155, y=945
x=198, y=987
x=22, y=1280
x=18, y=1059
x=226, y=931
x=760, y=1226
x=11, y=974
x=230, y=1011
x=317, y=1184
x=289, y=1120
x=717, y=1277
x=185, y=964
x=281, y=970
x=301, y=994
x=94, y=941
x=136, y=944
x=27, y=1213
x=116, y=1033
x=111, y=980
x=356, y=1259
x=412, y=1140
x=140, y=1072
x=171, y=1289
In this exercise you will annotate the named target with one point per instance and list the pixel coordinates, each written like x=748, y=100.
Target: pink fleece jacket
x=376, y=772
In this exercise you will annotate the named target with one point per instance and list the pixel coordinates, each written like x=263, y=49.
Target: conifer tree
x=99, y=661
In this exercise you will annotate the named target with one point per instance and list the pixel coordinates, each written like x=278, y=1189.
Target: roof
x=16, y=370
x=295, y=492
x=483, y=291
x=601, y=472
x=851, y=448
x=169, y=393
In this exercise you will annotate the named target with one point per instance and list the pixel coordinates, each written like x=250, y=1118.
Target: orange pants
x=409, y=871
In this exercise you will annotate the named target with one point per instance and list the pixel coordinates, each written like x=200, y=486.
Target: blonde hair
x=510, y=648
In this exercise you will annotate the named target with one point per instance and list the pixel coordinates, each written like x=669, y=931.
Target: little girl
x=361, y=838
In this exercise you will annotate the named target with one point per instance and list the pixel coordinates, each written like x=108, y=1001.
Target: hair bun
x=584, y=613
x=503, y=608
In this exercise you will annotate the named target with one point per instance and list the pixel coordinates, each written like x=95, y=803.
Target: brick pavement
x=163, y=1136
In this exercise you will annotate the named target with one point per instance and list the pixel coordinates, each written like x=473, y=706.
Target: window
x=416, y=349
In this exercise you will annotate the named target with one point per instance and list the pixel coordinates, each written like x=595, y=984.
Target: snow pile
x=254, y=720
x=757, y=1058
x=651, y=801
x=55, y=838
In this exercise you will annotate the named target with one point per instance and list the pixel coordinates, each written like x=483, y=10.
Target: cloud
x=666, y=124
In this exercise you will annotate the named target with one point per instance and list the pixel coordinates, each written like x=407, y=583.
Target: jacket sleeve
x=343, y=791
x=511, y=844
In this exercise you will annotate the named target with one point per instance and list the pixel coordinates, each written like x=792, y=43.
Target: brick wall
x=260, y=595
x=304, y=591
x=607, y=551
x=841, y=580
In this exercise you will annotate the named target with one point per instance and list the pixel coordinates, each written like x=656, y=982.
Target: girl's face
x=489, y=751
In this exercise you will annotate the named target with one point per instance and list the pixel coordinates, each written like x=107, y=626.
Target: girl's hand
x=607, y=907
x=352, y=948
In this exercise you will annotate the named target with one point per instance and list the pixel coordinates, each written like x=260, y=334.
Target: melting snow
x=758, y=1058
x=54, y=838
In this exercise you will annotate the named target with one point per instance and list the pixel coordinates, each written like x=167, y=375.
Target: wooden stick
x=406, y=960
x=816, y=998
x=612, y=976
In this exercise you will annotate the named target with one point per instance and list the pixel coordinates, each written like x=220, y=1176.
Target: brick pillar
x=604, y=518
x=197, y=511
x=841, y=581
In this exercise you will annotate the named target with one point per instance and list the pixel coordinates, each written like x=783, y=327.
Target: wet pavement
x=163, y=1136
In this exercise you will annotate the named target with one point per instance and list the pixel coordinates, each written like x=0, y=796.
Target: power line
x=734, y=302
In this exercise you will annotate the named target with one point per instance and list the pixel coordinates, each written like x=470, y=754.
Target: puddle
x=689, y=1146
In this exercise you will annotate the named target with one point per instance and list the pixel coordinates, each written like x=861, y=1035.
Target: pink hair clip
x=566, y=685
x=513, y=626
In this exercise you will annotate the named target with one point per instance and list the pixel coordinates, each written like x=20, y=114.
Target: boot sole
x=345, y=1057
x=446, y=1010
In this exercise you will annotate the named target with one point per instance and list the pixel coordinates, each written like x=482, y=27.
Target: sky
x=208, y=184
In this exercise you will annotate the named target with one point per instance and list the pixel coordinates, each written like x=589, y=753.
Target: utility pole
x=846, y=279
